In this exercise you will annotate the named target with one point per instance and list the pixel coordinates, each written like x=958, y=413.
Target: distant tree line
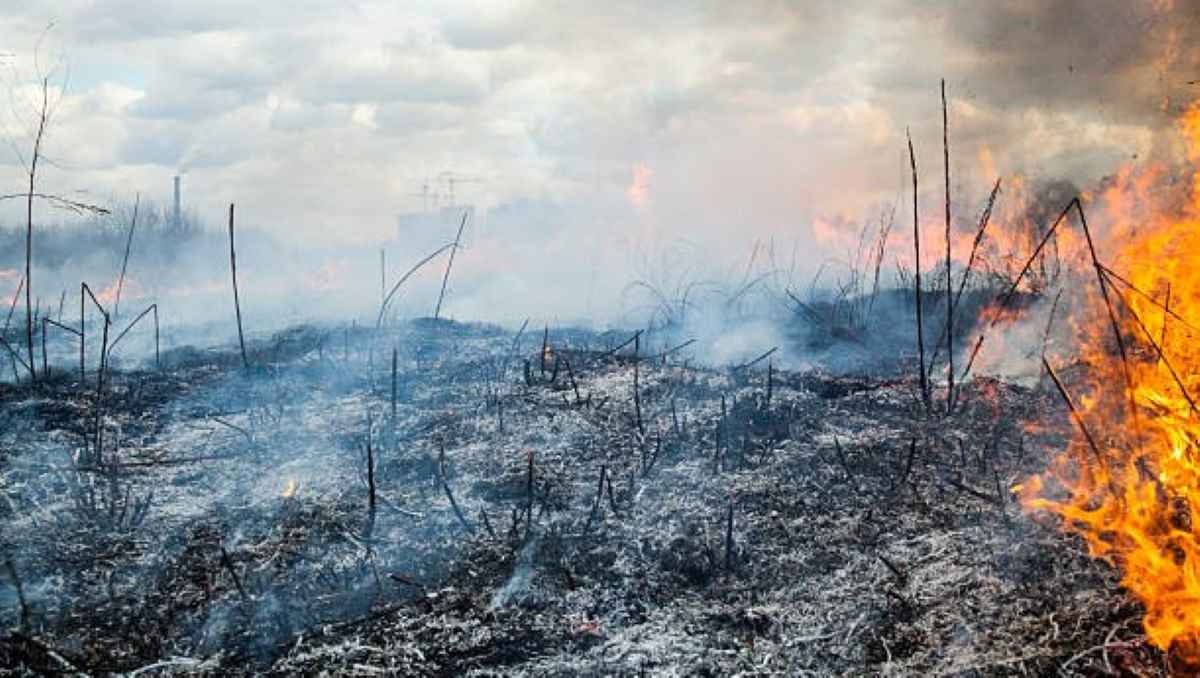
x=158, y=237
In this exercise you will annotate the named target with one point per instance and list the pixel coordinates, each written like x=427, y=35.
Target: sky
x=718, y=122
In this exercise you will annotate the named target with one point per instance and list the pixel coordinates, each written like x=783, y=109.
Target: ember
x=289, y=490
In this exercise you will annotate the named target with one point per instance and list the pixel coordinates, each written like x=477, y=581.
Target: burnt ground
x=529, y=522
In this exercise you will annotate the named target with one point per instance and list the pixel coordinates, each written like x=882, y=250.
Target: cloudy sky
x=716, y=120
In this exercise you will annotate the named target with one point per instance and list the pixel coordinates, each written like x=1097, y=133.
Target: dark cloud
x=1117, y=60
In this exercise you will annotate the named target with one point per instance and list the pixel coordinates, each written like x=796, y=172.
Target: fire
x=131, y=290
x=1129, y=480
x=638, y=192
x=289, y=490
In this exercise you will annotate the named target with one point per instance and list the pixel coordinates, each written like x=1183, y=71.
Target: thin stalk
x=529, y=498
x=237, y=581
x=1112, y=315
x=237, y=305
x=1062, y=391
x=984, y=220
x=729, y=537
x=949, y=297
x=912, y=157
x=125, y=261
x=395, y=288
x=450, y=264
x=637, y=397
x=1162, y=340
x=43, y=118
x=13, y=306
x=1010, y=293
x=152, y=307
x=1162, y=356
x=1113, y=275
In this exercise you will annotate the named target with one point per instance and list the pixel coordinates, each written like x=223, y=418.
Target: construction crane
x=450, y=178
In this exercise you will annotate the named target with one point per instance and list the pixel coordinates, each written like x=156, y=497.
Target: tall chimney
x=176, y=220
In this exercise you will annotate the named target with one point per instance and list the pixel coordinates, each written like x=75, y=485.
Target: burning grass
x=1126, y=481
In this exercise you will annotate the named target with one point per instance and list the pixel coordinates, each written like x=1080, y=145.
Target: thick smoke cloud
x=737, y=121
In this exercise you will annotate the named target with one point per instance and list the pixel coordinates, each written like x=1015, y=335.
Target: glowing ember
x=290, y=488
x=1133, y=490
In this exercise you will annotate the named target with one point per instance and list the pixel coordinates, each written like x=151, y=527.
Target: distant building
x=427, y=230
x=526, y=220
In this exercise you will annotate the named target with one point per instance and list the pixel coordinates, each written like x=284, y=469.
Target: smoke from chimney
x=175, y=218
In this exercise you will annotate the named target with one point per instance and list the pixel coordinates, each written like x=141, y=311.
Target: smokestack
x=175, y=215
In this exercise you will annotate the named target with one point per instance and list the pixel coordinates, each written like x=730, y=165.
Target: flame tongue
x=1134, y=498
x=289, y=490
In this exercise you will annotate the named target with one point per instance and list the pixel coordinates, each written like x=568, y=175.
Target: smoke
x=518, y=585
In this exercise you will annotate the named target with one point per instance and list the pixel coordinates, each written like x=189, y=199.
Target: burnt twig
x=453, y=504
x=395, y=359
x=16, y=581
x=13, y=306
x=1062, y=391
x=237, y=581
x=152, y=307
x=529, y=498
x=596, y=504
x=637, y=398
x=729, y=544
x=841, y=457
x=623, y=344
x=487, y=524
x=912, y=452
x=901, y=577
x=757, y=360
x=676, y=349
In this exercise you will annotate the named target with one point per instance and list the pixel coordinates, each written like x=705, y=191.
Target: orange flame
x=1135, y=496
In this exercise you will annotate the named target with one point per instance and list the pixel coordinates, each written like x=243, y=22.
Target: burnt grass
x=796, y=523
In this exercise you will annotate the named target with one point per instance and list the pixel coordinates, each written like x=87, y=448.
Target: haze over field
x=609, y=133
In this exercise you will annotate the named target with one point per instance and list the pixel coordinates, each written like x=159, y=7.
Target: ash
x=557, y=506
